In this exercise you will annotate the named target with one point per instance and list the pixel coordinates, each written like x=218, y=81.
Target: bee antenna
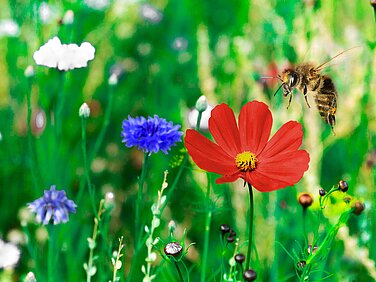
x=278, y=89
x=269, y=77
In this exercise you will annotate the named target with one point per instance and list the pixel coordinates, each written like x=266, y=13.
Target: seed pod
x=358, y=207
x=322, y=192
x=250, y=275
x=305, y=200
x=301, y=264
x=312, y=250
x=343, y=186
x=173, y=249
x=239, y=258
x=224, y=228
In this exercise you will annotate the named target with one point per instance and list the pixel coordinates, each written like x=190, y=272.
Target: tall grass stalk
x=250, y=234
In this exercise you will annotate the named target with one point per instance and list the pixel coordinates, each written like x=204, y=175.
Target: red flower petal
x=228, y=178
x=222, y=125
x=208, y=155
x=287, y=138
x=280, y=171
x=255, y=124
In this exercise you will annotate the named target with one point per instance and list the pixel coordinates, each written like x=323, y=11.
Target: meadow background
x=166, y=54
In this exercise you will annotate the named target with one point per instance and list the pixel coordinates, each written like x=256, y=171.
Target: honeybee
x=308, y=78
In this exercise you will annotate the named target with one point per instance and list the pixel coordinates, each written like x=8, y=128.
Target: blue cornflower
x=150, y=135
x=53, y=205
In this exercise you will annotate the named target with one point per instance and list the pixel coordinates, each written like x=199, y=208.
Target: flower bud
x=358, y=207
x=173, y=249
x=240, y=258
x=201, y=104
x=84, y=111
x=68, y=17
x=250, y=275
x=305, y=200
x=373, y=3
x=343, y=186
x=224, y=228
x=30, y=277
x=322, y=192
x=171, y=226
x=29, y=71
x=113, y=80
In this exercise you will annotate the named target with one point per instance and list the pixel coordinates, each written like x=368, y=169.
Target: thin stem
x=250, y=226
x=106, y=122
x=207, y=231
x=86, y=164
x=51, y=253
x=179, y=271
x=139, y=201
x=60, y=106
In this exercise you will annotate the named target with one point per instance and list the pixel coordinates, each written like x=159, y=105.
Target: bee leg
x=289, y=101
x=305, y=95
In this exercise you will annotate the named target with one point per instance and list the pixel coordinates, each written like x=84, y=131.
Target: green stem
x=86, y=165
x=51, y=253
x=139, y=201
x=106, y=122
x=207, y=231
x=60, y=106
x=250, y=226
x=179, y=271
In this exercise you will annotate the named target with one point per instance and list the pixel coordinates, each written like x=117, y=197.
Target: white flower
x=151, y=14
x=48, y=13
x=9, y=255
x=84, y=111
x=68, y=17
x=65, y=57
x=97, y=4
x=9, y=28
x=193, y=115
x=30, y=277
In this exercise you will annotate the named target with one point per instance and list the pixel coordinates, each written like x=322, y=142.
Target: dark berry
x=358, y=208
x=250, y=275
x=305, y=200
x=224, y=228
x=343, y=186
x=239, y=258
x=322, y=192
x=230, y=239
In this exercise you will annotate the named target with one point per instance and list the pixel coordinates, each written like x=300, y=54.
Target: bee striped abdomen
x=326, y=99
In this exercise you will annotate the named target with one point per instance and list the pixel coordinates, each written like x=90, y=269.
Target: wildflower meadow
x=187, y=141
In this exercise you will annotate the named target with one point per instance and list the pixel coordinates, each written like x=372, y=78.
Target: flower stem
x=207, y=231
x=106, y=122
x=139, y=201
x=60, y=106
x=86, y=166
x=250, y=226
x=51, y=253
x=179, y=271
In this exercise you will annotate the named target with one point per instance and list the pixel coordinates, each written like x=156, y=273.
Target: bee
x=307, y=77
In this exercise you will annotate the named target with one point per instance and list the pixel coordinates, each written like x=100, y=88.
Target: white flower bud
x=113, y=80
x=68, y=17
x=30, y=277
x=201, y=104
x=84, y=111
x=171, y=226
x=29, y=71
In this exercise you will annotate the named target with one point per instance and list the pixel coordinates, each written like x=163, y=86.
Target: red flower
x=243, y=150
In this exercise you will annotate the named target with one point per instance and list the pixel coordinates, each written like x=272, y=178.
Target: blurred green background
x=167, y=54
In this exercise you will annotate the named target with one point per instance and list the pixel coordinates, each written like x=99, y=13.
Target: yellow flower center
x=246, y=161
